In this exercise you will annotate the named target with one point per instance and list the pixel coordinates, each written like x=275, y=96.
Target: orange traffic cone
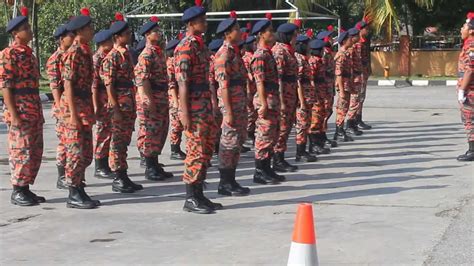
x=303, y=247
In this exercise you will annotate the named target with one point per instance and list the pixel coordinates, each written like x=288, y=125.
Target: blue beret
x=353, y=31
x=342, y=37
x=140, y=45
x=102, y=36
x=78, y=23
x=172, y=44
x=16, y=22
x=250, y=39
x=287, y=28
x=60, y=31
x=260, y=26
x=215, y=44
x=225, y=25
x=323, y=34
x=118, y=26
x=302, y=38
x=316, y=44
x=147, y=27
x=193, y=12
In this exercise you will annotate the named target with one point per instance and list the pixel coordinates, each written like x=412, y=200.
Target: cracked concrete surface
x=394, y=196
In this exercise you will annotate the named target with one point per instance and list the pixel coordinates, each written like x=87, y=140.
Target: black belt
x=288, y=78
x=83, y=94
x=237, y=82
x=197, y=87
x=271, y=86
x=25, y=91
x=101, y=87
x=158, y=86
x=123, y=84
x=305, y=81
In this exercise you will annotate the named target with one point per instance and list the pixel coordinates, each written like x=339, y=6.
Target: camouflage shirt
x=54, y=68
x=344, y=68
x=152, y=66
x=305, y=77
x=466, y=62
x=98, y=58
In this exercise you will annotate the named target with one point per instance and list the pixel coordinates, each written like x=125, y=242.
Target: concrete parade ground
x=395, y=196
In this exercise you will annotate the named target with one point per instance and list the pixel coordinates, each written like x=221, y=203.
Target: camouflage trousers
x=60, y=149
x=176, y=128
x=200, y=138
x=25, y=151
x=121, y=136
x=153, y=127
x=79, y=152
x=467, y=115
x=266, y=135
x=103, y=130
x=303, y=122
x=287, y=117
x=347, y=105
x=321, y=111
x=231, y=140
x=363, y=93
x=218, y=120
x=251, y=113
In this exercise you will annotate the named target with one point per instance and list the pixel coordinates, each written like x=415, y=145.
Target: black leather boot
x=151, y=172
x=268, y=166
x=22, y=198
x=228, y=186
x=161, y=170
x=469, y=155
x=352, y=128
x=244, y=149
x=281, y=165
x=361, y=124
x=102, y=169
x=61, y=183
x=85, y=196
x=37, y=198
x=329, y=142
x=199, y=191
x=77, y=200
x=177, y=153
x=318, y=145
x=303, y=156
x=262, y=174
x=121, y=184
x=193, y=203
x=340, y=134
x=251, y=137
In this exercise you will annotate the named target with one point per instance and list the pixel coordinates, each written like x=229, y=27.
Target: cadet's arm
x=466, y=80
x=10, y=102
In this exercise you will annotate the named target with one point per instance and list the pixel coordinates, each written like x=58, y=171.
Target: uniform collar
x=198, y=38
x=23, y=48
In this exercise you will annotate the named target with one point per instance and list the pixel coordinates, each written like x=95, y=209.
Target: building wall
x=424, y=63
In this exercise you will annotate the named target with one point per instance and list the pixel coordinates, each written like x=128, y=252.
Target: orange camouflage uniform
x=318, y=110
x=466, y=62
x=327, y=92
x=287, y=74
x=54, y=68
x=357, y=79
x=232, y=76
x=192, y=67
x=344, y=70
x=364, y=49
x=176, y=128
x=19, y=73
x=117, y=72
x=78, y=70
x=103, y=123
x=153, y=127
x=252, y=90
x=304, y=115
x=213, y=85
x=264, y=69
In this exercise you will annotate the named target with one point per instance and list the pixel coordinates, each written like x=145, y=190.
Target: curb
x=415, y=83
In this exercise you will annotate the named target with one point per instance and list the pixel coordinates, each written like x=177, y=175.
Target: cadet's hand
x=75, y=122
x=117, y=115
x=263, y=110
x=15, y=120
x=283, y=107
x=461, y=96
x=229, y=119
x=176, y=104
x=302, y=106
x=185, y=120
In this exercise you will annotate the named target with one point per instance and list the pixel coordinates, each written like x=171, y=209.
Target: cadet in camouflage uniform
x=249, y=48
x=176, y=128
x=152, y=101
x=267, y=103
x=54, y=68
x=465, y=86
x=103, y=39
x=214, y=46
x=283, y=52
x=231, y=75
x=77, y=110
x=117, y=74
x=19, y=80
x=192, y=74
x=356, y=84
